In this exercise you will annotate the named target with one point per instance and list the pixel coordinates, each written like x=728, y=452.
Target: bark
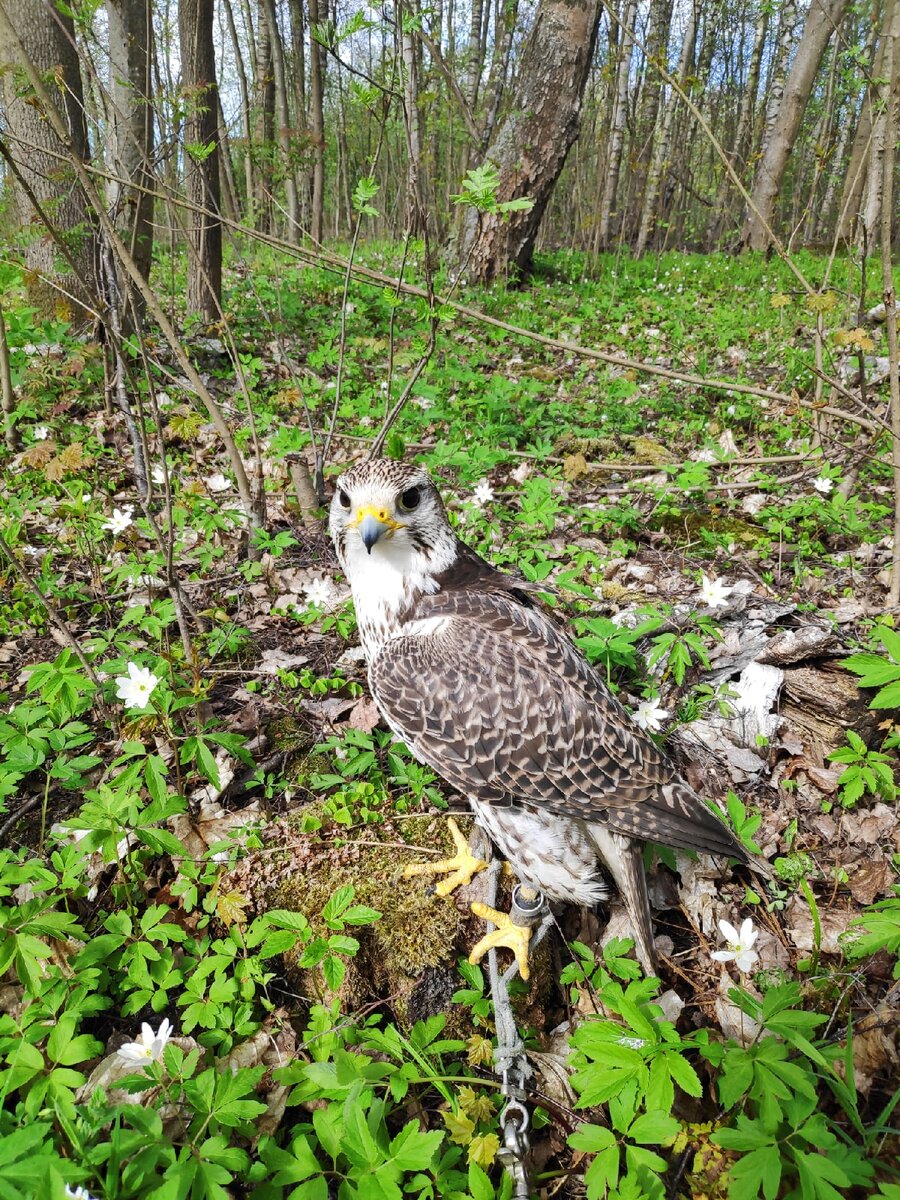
x=131, y=95
x=244, y=89
x=201, y=159
x=659, y=161
x=821, y=21
x=283, y=120
x=264, y=111
x=876, y=183
x=616, y=146
x=318, y=11
x=40, y=34
x=531, y=145
x=415, y=209
x=774, y=91
x=506, y=16
x=660, y=17
x=740, y=147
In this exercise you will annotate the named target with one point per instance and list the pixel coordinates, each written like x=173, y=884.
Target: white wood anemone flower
x=649, y=716
x=120, y=520
x=136, y=688
x=77, y=1193
x=149, y=1045
x=823, y=484
x=714, y=592
x=483, y=493
x=740, y=945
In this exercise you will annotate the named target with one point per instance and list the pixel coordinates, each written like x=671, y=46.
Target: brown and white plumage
x=486, y=690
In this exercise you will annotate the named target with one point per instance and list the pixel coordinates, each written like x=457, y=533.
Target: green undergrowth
x=329, y=1037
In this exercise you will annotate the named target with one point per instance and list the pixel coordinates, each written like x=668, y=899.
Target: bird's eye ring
x=343, y=499
x=410, y=499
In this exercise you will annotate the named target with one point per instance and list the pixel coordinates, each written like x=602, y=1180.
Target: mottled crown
x=384, y=474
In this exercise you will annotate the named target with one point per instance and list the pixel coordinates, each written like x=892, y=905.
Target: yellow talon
x=462, y=866
x=508, y=934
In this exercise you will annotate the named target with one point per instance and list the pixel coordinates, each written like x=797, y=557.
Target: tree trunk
x=855, y=178
x=283, y=120
x=774, y=91
x=318, y=11
x=246, y=122
x=506, y=17
x=821, y=22
x=870, y=216
x=131, y=93
x=201, y=157
x=657, y=41
x=39, y=33
x=415, y=209
x=659, y=161
x=531, y=145
x=617, y=126
x=264, y=111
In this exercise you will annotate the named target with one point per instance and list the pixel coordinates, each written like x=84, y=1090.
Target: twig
x=7, y=396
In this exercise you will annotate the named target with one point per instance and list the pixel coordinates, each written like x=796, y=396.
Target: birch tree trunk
x=659, y=161
x=201, y=158
x=38, y=33
x=531, y=144
x=318, y=11
x=625, y=51
x=870, y=217
x=246, y=120
x=264, y=112
x=131, y=95
x=821, y=21
x=283, y=120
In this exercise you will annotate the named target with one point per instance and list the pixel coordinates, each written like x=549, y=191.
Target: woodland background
x=622, y=278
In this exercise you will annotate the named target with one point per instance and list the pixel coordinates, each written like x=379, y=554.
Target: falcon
x=469, y=672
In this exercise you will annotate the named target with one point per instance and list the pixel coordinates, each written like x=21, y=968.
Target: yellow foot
x=461, y=867
x=514, y=937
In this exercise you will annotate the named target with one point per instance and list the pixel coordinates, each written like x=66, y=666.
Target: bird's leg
x=459, y=869
x=513, y=928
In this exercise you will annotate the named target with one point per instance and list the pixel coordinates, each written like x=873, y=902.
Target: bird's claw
x=507, y=934
x=461, y=867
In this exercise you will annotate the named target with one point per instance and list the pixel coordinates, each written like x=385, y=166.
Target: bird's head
x=390, y=511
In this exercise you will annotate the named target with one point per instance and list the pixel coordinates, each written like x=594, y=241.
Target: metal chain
x=510, y=1062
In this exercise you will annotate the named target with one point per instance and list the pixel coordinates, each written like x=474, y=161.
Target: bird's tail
x=624, y=858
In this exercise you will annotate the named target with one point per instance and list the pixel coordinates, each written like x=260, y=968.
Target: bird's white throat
x=387, y=581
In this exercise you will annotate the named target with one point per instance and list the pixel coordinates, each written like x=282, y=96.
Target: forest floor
x=720, y=554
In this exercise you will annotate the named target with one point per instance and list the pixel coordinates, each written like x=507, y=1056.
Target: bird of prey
x=467, y=670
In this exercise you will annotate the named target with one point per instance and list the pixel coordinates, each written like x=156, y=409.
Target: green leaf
x=413, y=1150
x=480, y=1187
x=591, y=1138
x=758, y=1172
x=655, y=1128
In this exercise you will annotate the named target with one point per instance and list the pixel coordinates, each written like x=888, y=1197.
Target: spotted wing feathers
x=502, y=705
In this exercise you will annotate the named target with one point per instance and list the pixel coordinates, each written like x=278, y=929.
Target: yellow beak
x=373, y=523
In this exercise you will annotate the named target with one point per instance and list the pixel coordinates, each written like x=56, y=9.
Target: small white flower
x=40, y=433
x=633, y=1043
x=136, y=688
x=366, y=422
x=649, y=717
x=77, y=1193
x=319, y=592
x=823, y=484
x=740, y=945
x=349, y=307
x=158, y=475
x=714, y=592
x=120, y=520
x=86, y=497
x=521, y=473
x=731, y=410
x=423, y=402
x=149, y=1045
x=218, y=483
x=483, y=493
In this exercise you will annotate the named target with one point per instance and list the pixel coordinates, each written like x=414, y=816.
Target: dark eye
x=410, y=498
x=343, y=499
